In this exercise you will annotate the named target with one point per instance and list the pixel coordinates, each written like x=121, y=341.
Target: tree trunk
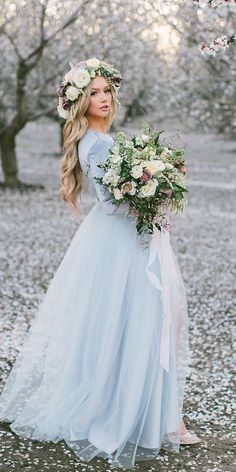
x=8, y=157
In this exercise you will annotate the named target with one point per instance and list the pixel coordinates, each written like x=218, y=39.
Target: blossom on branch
x=215, y=3
x=217, y=44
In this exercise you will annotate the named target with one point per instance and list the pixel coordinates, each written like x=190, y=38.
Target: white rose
x=143, y=163
x=155, y=166
x=129, y=187
x=136, y=161
x=69, y=76
x=148, y=189
x=95, y=63
x=117, y=194
x=61, y=112
x=136, y=171
x=81, y=78
x=114, y=180
x=169, y=165
x=72, y=93
x=133, y=189
x=166, y=152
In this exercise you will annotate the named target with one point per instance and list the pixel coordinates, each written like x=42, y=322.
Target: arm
x=100, y=152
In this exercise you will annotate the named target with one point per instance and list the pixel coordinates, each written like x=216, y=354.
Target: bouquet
x=149, y=175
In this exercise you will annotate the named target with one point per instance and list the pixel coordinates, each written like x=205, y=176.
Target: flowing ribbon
x=160, y=246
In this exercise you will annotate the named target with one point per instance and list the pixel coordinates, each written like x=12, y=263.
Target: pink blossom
x=182, y=169
x=168, y=192
x=202, y=46
x=66, y=105
x=60, y=91
x=145, y=176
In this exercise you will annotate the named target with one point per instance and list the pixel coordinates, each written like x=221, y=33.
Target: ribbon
x=160, y=247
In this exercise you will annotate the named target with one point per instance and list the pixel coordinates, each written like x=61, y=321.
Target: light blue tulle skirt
x=89, y=372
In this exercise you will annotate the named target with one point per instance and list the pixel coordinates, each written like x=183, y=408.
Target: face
x=100, y=99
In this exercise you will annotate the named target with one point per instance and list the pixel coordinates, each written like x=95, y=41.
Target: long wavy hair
x=71, y=177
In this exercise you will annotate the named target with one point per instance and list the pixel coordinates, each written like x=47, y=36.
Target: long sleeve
x=100, y=152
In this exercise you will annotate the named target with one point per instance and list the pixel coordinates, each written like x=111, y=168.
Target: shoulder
x=94, y=142
x=100, y=147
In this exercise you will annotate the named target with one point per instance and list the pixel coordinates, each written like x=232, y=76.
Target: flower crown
x=77, y=79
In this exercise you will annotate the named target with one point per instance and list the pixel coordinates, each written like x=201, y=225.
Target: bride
x=101, y=367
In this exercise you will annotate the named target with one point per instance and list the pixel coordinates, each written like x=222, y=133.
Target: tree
x=38, y=40
x=20, y=106
x=199, y=89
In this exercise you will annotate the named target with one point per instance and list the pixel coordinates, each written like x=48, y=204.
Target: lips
x=105, y=107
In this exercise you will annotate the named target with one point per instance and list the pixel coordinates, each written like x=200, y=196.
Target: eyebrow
x=99, y=89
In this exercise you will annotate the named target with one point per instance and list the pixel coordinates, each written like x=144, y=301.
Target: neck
x=97, y=125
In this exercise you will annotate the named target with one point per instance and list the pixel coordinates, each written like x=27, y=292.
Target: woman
x=90, y=371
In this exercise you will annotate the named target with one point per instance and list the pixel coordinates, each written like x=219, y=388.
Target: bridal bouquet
x=147, y=174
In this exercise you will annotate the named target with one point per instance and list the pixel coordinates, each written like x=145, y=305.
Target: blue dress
x=105, y=361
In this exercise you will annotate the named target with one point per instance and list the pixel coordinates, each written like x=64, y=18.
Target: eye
x=108, y=90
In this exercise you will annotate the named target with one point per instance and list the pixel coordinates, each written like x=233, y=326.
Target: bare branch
x=163, y=15
x=45, y=41
x=36, y=116
x=42, y=18
x=3, y=26
x=9, y=37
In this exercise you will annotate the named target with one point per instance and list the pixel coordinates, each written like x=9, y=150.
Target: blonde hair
x=71, y=177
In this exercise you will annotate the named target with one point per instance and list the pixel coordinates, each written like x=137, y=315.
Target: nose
x=103, y=97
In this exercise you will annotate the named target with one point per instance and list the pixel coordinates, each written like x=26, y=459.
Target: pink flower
x=66, y=105
x=202, y=46
x=182, y=169
x=167, y=191
x=145, y=176
x=60, y=91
